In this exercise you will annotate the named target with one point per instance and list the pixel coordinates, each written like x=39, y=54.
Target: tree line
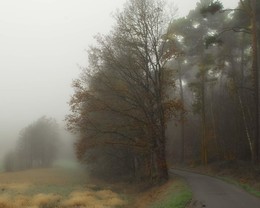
x=161, y=89
x=219, y=63
x=36, y=147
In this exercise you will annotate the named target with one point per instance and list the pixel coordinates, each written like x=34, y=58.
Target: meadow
x=67, y=185
x=54, y=187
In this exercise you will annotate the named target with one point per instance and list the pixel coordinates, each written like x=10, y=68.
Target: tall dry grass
x=53, y=188
x=79, y=199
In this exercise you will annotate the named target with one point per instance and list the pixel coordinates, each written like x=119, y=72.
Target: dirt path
x=213, y=193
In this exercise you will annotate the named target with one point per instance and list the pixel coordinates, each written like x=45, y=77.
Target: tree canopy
x=121, y=101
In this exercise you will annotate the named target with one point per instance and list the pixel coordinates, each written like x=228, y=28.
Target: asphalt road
x=214, y=193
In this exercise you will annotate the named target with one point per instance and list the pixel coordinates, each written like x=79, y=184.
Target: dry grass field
x=54, y=187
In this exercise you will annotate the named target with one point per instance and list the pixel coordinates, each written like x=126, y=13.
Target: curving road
x=213, y=193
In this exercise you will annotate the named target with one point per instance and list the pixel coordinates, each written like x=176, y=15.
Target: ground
x=54, y=187
x=71, y=187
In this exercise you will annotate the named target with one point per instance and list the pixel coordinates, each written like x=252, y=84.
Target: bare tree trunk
x=241, y=106
x=161, y=163
x=255, y=76
x=182, y=149
x=204, y=150
x=251, y=146
x=214, y=129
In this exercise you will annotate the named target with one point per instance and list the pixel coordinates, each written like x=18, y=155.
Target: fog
x=43, y=45
x=104, y=102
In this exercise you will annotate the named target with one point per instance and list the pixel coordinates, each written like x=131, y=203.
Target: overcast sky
x=42, y=42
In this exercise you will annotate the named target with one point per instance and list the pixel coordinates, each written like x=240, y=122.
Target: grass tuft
x=178, y=195
x=46, y=200
x=22, y=201
x=100, y=199
x=105, y=194
x=5, y=201
x=114, y=202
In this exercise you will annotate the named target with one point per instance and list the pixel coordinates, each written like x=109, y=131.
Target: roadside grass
x=244, y=186
x=178, y=195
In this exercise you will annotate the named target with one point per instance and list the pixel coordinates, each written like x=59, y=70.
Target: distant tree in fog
x=36, y=147
x=10, y=161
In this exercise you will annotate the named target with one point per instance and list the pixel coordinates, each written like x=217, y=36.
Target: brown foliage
x=122, y=101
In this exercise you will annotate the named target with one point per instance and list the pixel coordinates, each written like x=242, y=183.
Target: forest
x=161, y=90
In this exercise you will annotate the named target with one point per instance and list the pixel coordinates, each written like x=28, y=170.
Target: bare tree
x=128, y=82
